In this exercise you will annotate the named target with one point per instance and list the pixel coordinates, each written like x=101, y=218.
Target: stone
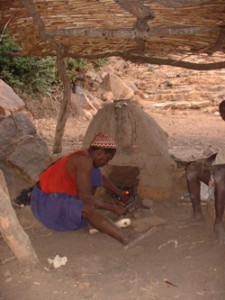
x=107, y=96
x=147, y=203
x=9, y=100
x=144, y=223
x=81, y=101
x=24, y=155
x=117, y=86
x=200, y=104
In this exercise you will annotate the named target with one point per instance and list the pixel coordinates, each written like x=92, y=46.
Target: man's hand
x=120, y=210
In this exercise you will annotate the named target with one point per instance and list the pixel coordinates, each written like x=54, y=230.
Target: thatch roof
x=145, y=31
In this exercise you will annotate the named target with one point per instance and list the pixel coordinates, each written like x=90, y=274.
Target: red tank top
x=56, y=178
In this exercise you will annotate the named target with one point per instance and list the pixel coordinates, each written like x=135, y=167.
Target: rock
x=132, y=86
x=173, y=105
x=106, y=70
x=80, y=102
x=29, y=158
x=141, y=95
x=200, y=104
x=27, y=218
x=105, y=103
x=88, y=115
x=145, y=223
x=138, y=101
x=147, y=203
x=107, y=96
x=23, y=154
x=9, y=100
x=117, y=86
x=91, y=75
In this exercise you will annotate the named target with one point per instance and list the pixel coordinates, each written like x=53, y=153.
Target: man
x=211, y=174
x=64, y=197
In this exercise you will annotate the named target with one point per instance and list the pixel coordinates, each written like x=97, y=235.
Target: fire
x=126, y=193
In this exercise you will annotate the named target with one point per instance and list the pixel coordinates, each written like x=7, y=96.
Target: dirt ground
x=173, y=262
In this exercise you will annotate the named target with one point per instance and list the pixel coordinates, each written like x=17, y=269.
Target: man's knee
x=219, y=176
x=192, y=171
x=88, y=211
x=198, y=170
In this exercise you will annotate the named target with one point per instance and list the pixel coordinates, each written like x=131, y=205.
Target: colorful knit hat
x=104, y=141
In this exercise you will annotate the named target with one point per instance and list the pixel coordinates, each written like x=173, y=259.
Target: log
x=62, y=117
x=12, y=232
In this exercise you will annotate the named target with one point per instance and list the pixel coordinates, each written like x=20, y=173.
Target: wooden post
x=62, y=118
x=11, y=230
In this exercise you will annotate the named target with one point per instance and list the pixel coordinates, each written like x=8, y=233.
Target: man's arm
x=81, y=166
x=111, y=187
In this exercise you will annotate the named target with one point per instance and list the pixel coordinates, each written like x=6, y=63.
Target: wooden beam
x=128, y=34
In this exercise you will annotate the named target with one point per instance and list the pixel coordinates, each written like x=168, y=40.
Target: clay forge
x=142, y=161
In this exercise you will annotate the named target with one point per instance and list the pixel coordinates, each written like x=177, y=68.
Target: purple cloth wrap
x=61, y=211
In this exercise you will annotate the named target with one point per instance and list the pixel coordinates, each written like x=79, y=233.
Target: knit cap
x=103, y=140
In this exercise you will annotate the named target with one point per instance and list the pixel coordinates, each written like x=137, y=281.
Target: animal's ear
x=211, y=158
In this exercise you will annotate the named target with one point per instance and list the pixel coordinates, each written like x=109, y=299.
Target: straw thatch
x=154, y=31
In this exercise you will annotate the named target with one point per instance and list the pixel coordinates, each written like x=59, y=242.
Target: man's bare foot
x=195, y=220
x=220, y=232
x=198, y=216
x=133, y=238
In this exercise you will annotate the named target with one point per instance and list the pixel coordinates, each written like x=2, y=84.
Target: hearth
x=142, y=160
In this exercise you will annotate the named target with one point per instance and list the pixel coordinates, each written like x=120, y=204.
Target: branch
x=140, y=11
x=40, y=24
x=36, y=18
x=220, y=41
x=155, y=61
x=173, y=63
x=14, y=54
x=179, y=3
x=63, y=113
x=128, y=34
x=136, y=8
x=5, y=26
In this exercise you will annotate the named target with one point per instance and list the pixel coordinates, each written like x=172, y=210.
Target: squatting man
x=64, y=198
x=211, y=173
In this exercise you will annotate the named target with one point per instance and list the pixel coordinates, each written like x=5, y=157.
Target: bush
x=75, y=66
x=100, y=63
x=31, y=75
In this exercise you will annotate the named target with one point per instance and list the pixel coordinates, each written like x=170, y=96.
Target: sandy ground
x=173, y=262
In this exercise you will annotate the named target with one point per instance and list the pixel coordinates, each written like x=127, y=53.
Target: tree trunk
x=11, y=230
x=62, y=118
